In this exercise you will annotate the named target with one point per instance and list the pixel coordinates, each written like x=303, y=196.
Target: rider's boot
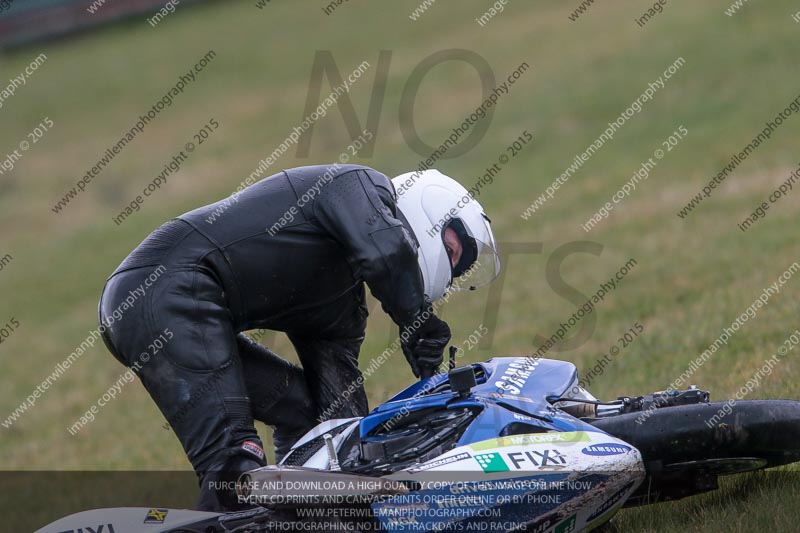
x=218, y=484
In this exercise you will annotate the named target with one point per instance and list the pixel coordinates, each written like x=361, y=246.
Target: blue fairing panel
x=521, y=383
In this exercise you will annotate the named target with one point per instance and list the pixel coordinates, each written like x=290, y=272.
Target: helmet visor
x=486, y=266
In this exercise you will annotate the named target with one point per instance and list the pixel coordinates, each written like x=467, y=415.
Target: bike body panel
x=500, y=453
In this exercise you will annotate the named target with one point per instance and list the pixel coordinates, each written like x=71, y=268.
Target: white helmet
x=432, y=202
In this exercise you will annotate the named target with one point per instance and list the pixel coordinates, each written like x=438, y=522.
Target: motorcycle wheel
x=685, y=448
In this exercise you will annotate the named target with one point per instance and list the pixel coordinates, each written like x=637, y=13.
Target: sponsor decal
x=253, y=448
x=401, y=522
x=611, y=502
x=156, y=516
x=512, y=397
x=568, y=525
x=606, y=449
x=541, y=526
x=492, y=462
x=537, y=438
x=540, y=459
x=89, y=529
x=515, y=376
x=441, y=462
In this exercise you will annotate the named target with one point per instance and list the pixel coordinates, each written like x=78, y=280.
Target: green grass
x=743, y=503
x=693, y=276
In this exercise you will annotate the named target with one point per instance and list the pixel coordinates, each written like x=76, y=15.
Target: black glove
x=424, y=345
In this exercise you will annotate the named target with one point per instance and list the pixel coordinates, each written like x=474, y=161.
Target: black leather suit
x=290, y=253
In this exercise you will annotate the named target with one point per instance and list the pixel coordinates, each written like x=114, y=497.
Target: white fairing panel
x=126, y=520
x=569, y=481
x=320, y=460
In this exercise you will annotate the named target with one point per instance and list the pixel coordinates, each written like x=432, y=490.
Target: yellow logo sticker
x=156, y=516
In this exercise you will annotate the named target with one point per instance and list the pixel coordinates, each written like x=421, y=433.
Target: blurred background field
x=693, y=276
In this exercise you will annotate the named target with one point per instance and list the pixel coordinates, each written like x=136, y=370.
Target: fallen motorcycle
x=511, y=444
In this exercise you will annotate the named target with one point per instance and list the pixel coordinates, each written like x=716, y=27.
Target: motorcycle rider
x=290, y=253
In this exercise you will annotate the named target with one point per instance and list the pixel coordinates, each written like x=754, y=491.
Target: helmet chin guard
x=431, y=203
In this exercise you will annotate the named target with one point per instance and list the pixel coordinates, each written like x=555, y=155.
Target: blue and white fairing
x=520, y=461
x=520, y=386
